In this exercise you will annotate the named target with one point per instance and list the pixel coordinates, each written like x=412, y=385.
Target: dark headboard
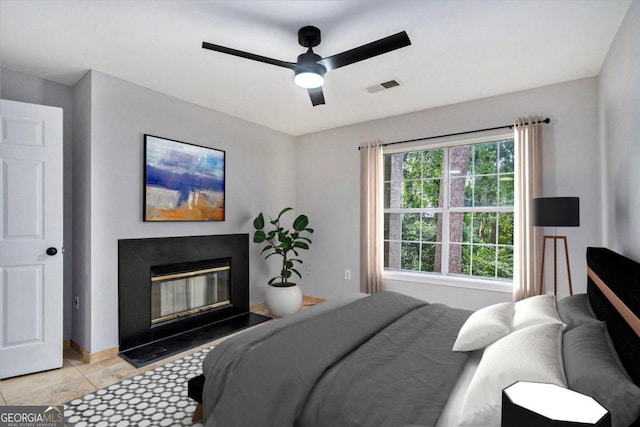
x=614, y=293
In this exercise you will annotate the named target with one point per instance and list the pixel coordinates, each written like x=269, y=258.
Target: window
x=449, y=210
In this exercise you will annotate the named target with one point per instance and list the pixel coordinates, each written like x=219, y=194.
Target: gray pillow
x=575, y=310
x=592, y=368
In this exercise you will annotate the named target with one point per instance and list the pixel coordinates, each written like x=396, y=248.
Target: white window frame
x=444, y=278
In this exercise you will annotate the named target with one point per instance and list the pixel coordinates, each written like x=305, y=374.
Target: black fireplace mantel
x=136, y=257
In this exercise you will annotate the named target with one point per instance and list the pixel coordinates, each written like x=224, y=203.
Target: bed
x=392, y=360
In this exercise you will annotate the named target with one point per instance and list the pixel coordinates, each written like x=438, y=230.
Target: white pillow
x=530, y=354
x=484, y=327
x=535, y=310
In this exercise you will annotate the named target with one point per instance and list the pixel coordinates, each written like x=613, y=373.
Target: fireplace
x=179, y=289
x=185, y=290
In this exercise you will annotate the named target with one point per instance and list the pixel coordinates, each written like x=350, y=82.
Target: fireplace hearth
x=176, y=293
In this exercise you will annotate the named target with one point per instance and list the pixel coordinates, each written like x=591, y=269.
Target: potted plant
x=283, y=297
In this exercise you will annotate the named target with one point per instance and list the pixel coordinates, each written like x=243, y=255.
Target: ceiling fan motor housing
x=310, y=60
x=309, y=73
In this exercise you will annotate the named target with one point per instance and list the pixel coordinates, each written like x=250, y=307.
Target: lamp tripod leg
x=555, y=265
x=544, y=243
x=566, y=253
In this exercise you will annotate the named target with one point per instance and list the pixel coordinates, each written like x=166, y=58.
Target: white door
x=30, y=238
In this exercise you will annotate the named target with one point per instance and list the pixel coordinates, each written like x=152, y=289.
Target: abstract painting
x=183, y=182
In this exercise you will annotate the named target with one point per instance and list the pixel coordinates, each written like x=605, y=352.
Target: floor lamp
x=556, y=212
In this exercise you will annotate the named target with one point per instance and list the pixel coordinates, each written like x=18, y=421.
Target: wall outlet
x=347, y=274
x=76, y=303
x=309, y=270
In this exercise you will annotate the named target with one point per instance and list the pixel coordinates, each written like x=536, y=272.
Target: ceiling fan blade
x=316, y=95
x=366, y=51
x=247, y=55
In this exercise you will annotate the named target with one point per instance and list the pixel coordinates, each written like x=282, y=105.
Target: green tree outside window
x=469, y=189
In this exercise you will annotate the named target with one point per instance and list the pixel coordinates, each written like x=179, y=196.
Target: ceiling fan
x=310, y=68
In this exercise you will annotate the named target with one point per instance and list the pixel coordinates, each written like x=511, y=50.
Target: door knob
x=52, y=251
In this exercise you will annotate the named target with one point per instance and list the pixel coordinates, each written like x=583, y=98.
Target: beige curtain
x=371, y=204
x=528, y=185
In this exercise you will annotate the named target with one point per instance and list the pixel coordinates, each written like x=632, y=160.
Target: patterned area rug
x=154, y=398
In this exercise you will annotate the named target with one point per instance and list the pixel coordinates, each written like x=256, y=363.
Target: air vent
x=383, y=86
x=389, y=84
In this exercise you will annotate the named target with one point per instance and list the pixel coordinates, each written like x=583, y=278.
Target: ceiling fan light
x=310, y=76
x=308, y=79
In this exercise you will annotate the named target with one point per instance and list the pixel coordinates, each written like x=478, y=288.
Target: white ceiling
x=461, y=50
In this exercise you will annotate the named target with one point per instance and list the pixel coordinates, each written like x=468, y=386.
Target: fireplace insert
x=186, y=290
x=173, y=288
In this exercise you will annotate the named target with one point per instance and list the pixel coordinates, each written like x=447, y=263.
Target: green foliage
x=483, y=262
x=504, y=268
x=420, y=227
x=481, y=179
x=422, y=173
x=505, y=228
x=284, y=242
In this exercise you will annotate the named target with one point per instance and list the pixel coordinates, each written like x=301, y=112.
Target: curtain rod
x=547, y=120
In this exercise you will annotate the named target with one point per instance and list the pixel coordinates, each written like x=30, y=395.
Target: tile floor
x=74, y=379
x=77, y=378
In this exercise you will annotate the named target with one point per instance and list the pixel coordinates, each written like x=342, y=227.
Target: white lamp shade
x=309, y=79
x=527, y=404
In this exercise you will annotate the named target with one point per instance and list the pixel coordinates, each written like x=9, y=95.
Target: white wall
x=328, y=180
x=22, y=87
x=620, y=136
x=259, y=176
x=318, y=174
x=81, y=160
x=103, y=141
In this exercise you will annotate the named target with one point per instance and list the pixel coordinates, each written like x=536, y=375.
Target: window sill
x=459, y=282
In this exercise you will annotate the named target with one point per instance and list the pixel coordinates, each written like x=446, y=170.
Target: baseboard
x=93, y=357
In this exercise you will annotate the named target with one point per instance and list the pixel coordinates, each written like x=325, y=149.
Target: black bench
x=194, y=390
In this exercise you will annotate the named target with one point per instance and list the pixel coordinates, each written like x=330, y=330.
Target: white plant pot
x=282, y=301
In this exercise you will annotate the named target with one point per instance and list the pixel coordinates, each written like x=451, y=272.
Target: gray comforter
x=382, y=360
